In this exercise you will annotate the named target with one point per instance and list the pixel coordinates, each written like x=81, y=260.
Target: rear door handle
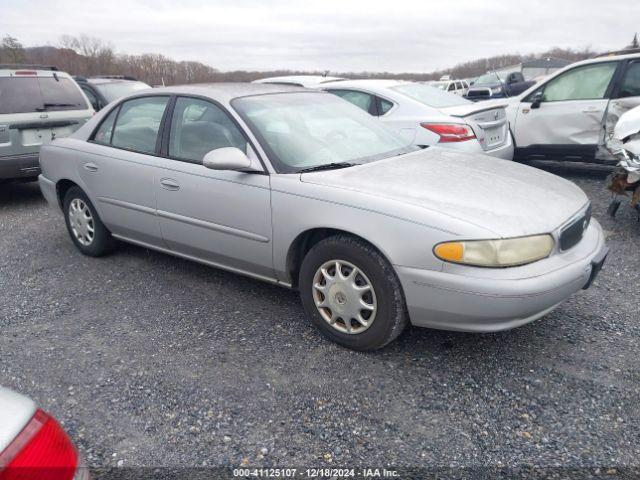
x=92, y=167
x=169, y=184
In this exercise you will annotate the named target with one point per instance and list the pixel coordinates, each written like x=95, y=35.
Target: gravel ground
x=150, y=360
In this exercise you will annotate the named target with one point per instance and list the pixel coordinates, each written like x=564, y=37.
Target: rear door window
x=138, y=123
x=361, y=100
x=630, y=86
x=385, y=106
x=103, y=134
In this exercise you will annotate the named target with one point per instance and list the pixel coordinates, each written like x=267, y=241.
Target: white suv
x=37, y=104
x=569, y=115
x=459, y=87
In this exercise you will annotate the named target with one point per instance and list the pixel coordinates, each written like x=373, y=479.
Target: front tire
x=352, y=294
x=85, y=228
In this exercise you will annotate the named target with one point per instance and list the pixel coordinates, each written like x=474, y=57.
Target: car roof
x=11, y=72
x=227, y=91
x=606, y=58
x=304, y=80
x=102, y=81
x=366, y=83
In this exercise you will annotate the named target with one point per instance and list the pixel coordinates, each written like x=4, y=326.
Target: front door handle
x=92, y=167
x=169, y=184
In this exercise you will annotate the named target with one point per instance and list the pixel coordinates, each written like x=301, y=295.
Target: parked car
x=624, y=145
x=569, y=115
x=102, y=90
x=302, y=189
x=309, y=81
x=37, y=104
x=491, y=85
x=427, y=116
x=33, y=445
x=459, y=87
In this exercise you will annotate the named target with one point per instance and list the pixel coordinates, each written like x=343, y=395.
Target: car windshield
x=439, y=85
x=430, y=96
x=114, y=90
x=304, y=130
x=488, y=79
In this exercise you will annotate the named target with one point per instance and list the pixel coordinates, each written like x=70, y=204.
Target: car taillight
x=450, y=132
x=42, y=450
x=26, y=72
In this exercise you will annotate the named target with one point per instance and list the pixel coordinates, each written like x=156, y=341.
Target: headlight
x=508, y=252
x=496, y=90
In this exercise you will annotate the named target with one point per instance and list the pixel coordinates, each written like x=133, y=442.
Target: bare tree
x=11, y=50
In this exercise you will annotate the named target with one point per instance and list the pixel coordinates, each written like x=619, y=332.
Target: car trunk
x=489, y=123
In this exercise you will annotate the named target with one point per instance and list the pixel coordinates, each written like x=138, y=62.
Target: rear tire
x=352, y=294
x=85, y=228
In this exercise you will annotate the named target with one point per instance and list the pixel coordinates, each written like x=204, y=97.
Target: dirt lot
x=151, y=360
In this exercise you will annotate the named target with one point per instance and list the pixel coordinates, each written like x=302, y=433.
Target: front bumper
x=490, y=300
x=19, y=166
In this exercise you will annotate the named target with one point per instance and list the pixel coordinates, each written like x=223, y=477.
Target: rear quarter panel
x=15, y=412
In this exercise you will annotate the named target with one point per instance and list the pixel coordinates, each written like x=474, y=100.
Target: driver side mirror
x=227, y=158
x=536, y=100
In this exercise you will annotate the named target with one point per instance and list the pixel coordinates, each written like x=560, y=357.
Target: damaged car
x=302, y=189
x=624, y=145
x=568, y=116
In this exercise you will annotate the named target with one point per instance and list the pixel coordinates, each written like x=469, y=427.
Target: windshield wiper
x=327, y=166
x=49, y=105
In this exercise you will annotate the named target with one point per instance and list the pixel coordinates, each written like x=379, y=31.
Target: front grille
x=479, y=93
x=571, y=235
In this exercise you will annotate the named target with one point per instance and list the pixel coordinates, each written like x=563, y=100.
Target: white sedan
x=427, y=116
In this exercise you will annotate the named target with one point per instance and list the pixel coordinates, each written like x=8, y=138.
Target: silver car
x=302, y=189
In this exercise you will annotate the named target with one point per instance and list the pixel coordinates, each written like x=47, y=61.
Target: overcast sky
x=336, y=35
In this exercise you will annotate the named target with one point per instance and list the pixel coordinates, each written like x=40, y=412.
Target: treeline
x=478, y=67
x=87, y=56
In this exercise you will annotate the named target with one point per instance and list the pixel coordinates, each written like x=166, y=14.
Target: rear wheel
x=86, y=229
x=352, y=294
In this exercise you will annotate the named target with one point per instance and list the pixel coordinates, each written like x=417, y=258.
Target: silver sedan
x=302, y=189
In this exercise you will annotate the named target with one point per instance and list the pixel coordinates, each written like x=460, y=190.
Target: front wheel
x=86, y=229
x=352, y=294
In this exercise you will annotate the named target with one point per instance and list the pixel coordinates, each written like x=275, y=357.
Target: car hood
x=501, y=196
